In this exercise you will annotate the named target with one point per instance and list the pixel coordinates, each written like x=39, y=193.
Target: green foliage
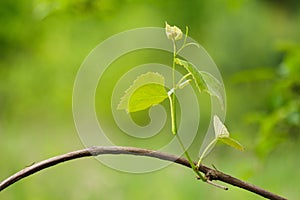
x=280, y=120
x=231, y=142
x=214, y=87
x=195, y=73
x=204, y=81
x=222, y=135
x=146, y=96
x=147, y=90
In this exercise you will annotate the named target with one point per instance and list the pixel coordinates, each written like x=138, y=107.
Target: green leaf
x=222, y=134
x=220, y=129
x=147, y=96
x=147, y=90
x=214, y=87
x=200, y=82
x=232, y=142
x=204, y=81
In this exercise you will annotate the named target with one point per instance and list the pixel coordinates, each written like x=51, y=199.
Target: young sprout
x=173, y=32
x=149, y=90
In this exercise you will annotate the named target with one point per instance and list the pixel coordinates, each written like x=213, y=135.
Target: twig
x=211, y=174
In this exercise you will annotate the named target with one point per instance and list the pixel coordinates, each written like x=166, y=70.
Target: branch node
x=212, y=175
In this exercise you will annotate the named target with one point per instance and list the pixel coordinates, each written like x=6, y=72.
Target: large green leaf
x=147, y=90
x=200, y=82
x=147, y=96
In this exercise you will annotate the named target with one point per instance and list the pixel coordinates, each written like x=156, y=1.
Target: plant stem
x=173, y=99
x=184, y=41
x=173, y=110
x=174, y=129
x=182, y=79
x=195, y=169
x=205, y=151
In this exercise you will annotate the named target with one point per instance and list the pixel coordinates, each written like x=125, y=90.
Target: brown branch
x=211, y=174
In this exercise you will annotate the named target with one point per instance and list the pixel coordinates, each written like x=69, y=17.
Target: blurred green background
x=255, y=44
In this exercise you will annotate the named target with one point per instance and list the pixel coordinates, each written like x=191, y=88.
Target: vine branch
x=211, y=174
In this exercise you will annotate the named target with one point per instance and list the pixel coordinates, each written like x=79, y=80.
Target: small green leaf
x=200, y=82
x=220, y=129
x=214, y=87
x=147, y=90
x=204, y=81
x=222, y=134
x=232, y=142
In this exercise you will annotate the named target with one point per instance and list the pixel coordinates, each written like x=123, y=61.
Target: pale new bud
x=173, y=32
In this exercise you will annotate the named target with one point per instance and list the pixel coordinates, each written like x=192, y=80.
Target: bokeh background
x=256, y=45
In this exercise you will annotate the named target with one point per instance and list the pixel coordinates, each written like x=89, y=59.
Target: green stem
x=195, y=169
x=205, y=151
x=182, y=79
x=174, y=128
x=185, y=37
x=173, y=114
x=173, y=99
